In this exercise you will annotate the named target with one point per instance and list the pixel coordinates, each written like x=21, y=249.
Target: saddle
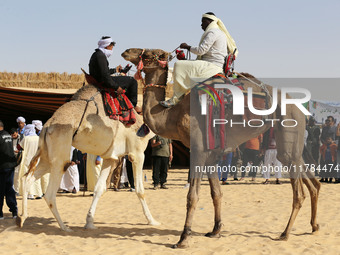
x=219, y=102
x=117, y=107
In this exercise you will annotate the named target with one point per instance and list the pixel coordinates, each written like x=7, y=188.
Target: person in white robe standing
x=70, y=179
x=93, y=167
x=46, y=177
x=30, y=146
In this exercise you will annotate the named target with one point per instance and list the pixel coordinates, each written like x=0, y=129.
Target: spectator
x=328, y=153
x=16, y=140
x=93, y=168
x=329, y=130
x=7, y=164
x=161, y=156
x=124, y=181
x=70, y=179
x=236, y=161
x=82, y=167
x=30, y=146
x=129, y=172
x=226, y=162
x=313, y=139
x=270, y=157
x=250, y=155
x=21, y=126
x=38, y=126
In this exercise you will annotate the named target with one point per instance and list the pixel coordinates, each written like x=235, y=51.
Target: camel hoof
x=316, y=229
x=283, y=237
x=67, y=229
x=213, y=235
x=180, y=245
x=154, y=223
x=20, y=221
x=90, y=226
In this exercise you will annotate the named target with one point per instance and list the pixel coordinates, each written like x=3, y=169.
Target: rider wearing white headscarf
x=100, y=71
x=214, y=46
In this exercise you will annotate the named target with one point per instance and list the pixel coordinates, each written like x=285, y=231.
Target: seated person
x=99, y=69
x=211, y=53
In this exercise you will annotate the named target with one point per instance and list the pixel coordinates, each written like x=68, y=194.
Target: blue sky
x=289, y=38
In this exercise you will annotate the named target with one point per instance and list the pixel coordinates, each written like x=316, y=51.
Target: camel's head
x=150, y=57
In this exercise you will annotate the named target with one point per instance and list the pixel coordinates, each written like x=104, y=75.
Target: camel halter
x=140, y=67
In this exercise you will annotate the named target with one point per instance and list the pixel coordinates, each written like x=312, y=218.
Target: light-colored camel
x=176, y=123
x=83, y=123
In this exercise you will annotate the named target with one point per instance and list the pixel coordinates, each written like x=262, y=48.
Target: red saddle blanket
x=117, y=107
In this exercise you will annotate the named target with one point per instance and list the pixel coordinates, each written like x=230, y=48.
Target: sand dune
x=253, y=216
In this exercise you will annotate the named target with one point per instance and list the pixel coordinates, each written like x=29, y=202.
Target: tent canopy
x=31, y=104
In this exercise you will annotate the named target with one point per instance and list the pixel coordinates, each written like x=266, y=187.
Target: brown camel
x=179, y=123
x=83, y=123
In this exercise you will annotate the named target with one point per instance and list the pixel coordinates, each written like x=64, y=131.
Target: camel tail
x=42, y=143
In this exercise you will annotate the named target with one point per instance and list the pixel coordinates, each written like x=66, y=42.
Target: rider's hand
x=119, y=90
x=185, y=46
x=118, y=68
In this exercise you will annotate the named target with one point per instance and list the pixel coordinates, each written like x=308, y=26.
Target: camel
x=179, y=123
x=83, y=124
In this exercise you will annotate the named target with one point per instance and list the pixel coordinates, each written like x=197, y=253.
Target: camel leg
x=137, y=161
x=313, y=186
x=216, y=195
x=298, y=198
x=51, y=193
x=26, y=182
x=99, y=189
x=192, y=200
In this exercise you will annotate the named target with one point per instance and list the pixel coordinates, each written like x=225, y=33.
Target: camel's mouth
x=132, y=55
x=125, y=55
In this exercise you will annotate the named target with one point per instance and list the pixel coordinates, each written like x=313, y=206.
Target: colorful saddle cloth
x=117, y=107
x=217, y=105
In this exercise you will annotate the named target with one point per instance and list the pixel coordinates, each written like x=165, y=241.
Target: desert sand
x=253, y=215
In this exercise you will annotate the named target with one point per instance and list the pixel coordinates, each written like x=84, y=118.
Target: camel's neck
x=156, y=76
x=154, y=114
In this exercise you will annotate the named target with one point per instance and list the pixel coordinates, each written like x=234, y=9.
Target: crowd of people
x=258, y=155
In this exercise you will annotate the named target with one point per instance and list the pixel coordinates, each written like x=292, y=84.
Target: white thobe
x=212, y=51
x=70, y=178
x=92, y=171
x=30, y=146
x=271, y=164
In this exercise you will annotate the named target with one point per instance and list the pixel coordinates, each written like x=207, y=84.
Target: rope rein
x=87, y=103
x=261, y=85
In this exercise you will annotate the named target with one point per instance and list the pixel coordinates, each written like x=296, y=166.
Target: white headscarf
x=38, y=124
x=216, y=22
x=30, y=130
x=102, y=43
x=21, y=119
